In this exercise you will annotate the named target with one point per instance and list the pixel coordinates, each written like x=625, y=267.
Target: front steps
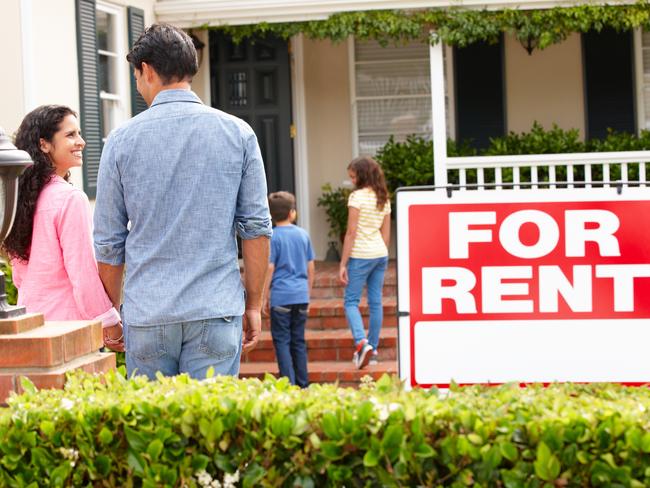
x=329, y=341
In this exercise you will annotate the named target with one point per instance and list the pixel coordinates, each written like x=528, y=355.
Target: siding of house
x=329, y=125
x=546, y=86
x=11, y=81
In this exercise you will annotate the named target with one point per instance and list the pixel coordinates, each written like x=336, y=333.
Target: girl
x=365, y=254
x=50, y=245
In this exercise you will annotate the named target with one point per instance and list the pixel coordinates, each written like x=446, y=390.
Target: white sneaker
x=364, y=355
x=374, y=358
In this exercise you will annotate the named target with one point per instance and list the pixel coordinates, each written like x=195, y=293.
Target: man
x=175, y=185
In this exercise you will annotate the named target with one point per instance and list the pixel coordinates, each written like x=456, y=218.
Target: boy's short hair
x=281, y=203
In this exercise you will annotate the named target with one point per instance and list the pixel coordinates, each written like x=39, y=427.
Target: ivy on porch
x=458, y=27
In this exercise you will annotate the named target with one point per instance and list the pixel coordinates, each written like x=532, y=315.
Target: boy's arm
x=266, y=309
x=311, y=272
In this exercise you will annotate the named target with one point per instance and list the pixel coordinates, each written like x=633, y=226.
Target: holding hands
x=114, y=337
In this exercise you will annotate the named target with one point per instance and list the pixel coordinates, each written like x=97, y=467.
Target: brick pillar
x=45, y=351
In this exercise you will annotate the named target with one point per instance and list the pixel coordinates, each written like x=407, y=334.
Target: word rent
x=506, y=289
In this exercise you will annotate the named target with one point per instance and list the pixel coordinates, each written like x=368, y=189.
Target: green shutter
x=136, y=27
x=89, y=103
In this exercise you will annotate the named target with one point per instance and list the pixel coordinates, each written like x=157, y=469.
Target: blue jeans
x=363, y=272
x=288, y=332
x=187, y=347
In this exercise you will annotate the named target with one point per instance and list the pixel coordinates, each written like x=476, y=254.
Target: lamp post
x=12, y=163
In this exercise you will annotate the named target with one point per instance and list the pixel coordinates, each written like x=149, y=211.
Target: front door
x=252, y=81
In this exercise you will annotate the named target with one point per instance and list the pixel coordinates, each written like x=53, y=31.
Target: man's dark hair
x=169, y=50
x=281, y=203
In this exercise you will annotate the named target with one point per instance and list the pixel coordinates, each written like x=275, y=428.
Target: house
x=316, y=103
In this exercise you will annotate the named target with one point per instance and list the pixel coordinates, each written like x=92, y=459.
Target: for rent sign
x=529, y=286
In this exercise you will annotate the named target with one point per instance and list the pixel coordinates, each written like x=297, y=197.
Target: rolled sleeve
x=252, y=217
x=110, y=219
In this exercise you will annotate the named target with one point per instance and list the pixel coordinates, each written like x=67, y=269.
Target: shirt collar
x=167, y=96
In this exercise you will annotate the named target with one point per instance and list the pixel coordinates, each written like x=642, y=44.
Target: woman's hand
x=343, y=275
x=114, y=337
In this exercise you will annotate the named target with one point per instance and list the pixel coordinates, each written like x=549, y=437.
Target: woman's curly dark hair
x=41, y=123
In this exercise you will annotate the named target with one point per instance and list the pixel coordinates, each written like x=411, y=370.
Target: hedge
x=179, y=432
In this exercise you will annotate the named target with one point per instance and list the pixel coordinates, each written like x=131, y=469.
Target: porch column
x=438, y=115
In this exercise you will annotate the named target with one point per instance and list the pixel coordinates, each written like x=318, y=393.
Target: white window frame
x=354, y=98
x=120, y=76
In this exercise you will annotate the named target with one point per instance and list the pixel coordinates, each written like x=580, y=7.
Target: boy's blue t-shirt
x=291, y=250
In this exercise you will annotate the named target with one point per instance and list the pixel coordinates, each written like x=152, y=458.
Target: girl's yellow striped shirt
x=368, y=243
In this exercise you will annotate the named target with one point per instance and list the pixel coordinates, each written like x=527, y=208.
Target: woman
x=365, y=254
x=50, y=245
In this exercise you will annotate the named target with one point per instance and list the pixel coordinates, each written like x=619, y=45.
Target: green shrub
x=10, y=288
x=335, y=203
x=114, y=432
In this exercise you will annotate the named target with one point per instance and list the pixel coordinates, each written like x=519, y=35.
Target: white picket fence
x=541, y=170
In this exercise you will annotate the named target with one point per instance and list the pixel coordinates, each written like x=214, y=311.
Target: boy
x=290, y=276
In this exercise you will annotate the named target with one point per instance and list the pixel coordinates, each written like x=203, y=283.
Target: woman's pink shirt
x=60, y=279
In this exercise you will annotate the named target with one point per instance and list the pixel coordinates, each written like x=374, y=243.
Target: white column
x=301, y=170
x=438, y=116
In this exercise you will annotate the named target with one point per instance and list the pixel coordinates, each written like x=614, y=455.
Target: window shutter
x=480, y=111
x=645, y=54
x=136, y=27
x=91, y=121
x=609, y=82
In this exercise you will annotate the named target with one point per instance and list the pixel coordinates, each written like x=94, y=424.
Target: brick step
x=339, y=291
x=326, y=345
x=333, y=307
x=44, y=378
x=327, y=274
x=336, y=322
x=343, y=372
x=53, y=344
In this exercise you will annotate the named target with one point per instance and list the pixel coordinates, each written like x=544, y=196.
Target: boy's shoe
x=374, y=358
x=363, y=353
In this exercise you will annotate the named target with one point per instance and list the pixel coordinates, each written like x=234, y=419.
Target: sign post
x=524, y=286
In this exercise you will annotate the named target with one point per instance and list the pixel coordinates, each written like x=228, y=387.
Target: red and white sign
x=524, y=285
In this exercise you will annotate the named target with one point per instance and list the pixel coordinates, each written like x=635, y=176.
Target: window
x=112, y=69
x=391, y=93
x=104, y=76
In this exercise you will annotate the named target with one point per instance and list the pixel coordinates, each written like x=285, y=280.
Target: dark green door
x=252, y=81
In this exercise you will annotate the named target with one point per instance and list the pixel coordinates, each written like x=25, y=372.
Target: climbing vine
x=458, y=27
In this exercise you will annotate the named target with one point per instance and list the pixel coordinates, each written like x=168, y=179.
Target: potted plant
x=335, y=203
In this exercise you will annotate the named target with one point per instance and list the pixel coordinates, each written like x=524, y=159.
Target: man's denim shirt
x=176, y=184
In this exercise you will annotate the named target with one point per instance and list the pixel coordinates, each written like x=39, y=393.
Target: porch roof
x=196, y=13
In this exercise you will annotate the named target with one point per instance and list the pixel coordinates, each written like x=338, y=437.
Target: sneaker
x=355, y=356
x=374, y=358
x=364, y=351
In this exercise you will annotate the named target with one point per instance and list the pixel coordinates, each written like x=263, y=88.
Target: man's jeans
x=187, y=347
x=360, y=273
x=288, y=332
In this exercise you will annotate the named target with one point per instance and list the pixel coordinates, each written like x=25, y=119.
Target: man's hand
x=252, y=330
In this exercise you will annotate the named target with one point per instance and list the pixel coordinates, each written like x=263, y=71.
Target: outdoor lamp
x=12, y=163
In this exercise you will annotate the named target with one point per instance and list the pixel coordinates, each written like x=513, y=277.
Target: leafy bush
x=537, y=141
x=10, y=288
x=410, y=162
x=335, y=203
x=181, y=432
